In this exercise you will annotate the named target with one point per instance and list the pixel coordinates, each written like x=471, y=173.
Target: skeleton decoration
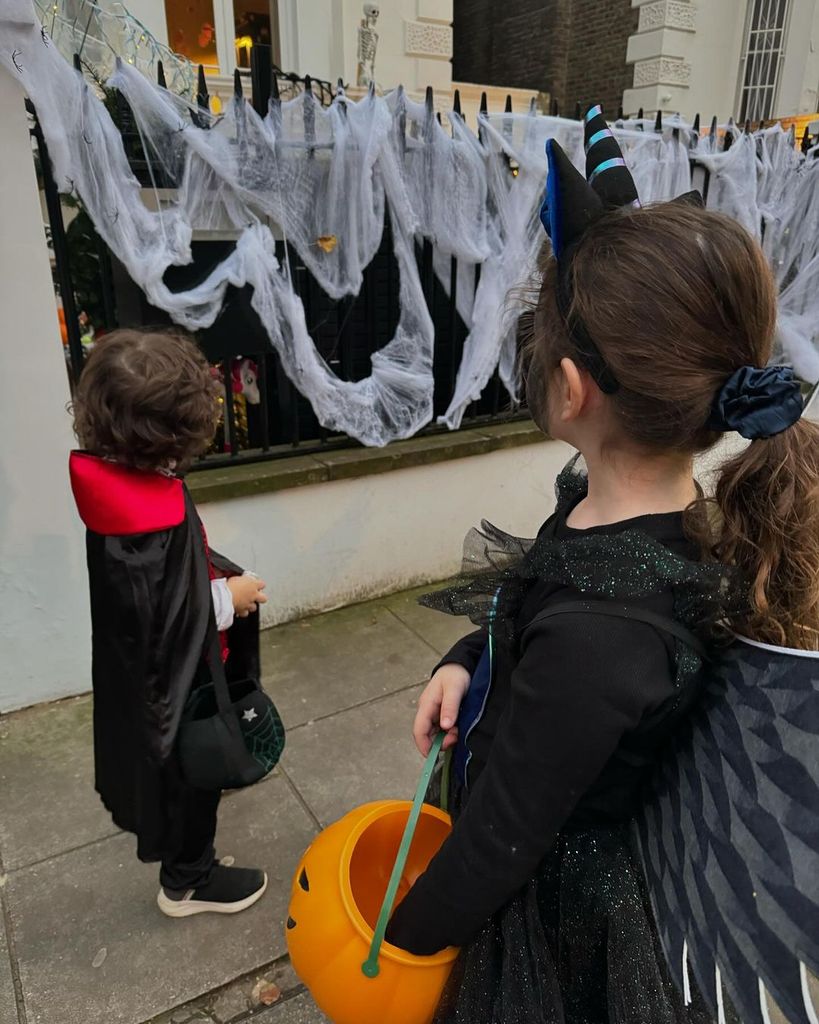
x=367, y=44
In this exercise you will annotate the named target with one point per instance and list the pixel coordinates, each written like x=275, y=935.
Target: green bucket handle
x=370, y=966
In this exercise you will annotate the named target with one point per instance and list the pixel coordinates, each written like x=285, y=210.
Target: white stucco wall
x=701, y=43
x=799, y=79
x=44, y=622
x=332, y=544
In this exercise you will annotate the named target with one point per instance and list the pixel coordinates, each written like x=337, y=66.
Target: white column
x=225, y=25
x=658, y=51
x=799, y=76
x=44, y=620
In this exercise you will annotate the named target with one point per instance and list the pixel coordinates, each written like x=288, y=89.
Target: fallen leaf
x=327, y=243
x=99, y=959
x=266, y=993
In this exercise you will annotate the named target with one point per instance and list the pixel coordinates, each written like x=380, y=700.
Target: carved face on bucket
x=371, y=12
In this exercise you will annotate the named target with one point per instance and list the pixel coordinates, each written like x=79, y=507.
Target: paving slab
x=319, y=666
x=94, y=949
x=363, y=754
x=298, y=1010
x=8, y=1003
x=439, y=630
x=47, y=800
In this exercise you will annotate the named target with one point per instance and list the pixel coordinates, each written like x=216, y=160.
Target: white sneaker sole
x=187, y=908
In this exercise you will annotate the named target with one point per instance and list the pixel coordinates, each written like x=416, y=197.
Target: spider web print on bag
x=264, y=738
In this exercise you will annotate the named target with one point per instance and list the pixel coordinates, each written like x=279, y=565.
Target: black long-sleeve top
x=576, y=711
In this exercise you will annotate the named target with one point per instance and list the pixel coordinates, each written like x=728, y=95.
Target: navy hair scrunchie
x=757, y=403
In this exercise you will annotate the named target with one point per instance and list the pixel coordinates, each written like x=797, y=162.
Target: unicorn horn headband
x=571, y=204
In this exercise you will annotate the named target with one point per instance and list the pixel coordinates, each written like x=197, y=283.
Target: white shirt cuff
x=222, y=604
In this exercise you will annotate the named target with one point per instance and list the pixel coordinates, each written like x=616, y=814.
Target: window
x=192, y=30
x=762, y=60
x=251, y=19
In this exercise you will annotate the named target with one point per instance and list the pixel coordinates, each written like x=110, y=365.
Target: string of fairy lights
x=102, y=31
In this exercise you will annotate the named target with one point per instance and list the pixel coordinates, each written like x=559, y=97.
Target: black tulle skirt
x=578, y=945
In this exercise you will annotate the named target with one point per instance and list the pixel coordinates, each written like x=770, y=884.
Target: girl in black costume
x=652, y=329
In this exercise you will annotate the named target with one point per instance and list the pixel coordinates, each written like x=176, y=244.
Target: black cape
x=150, y=608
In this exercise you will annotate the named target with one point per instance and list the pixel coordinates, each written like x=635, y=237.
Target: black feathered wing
x=729, y=838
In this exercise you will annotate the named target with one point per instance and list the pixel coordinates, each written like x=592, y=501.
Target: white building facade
x=315, y=37
x=747, y=59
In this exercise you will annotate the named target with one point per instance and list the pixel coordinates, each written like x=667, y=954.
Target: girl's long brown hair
x=676, y=299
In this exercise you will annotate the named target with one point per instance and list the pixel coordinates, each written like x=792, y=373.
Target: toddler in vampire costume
x=146, y=407
x=651, y=331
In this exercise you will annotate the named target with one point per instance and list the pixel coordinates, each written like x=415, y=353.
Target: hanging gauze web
x=326, y=180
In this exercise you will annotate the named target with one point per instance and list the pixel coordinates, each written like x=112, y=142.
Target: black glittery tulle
x=577, y=945
x=499, y=569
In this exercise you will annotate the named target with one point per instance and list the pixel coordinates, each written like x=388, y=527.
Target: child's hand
x=247, y=593
x=438, y=707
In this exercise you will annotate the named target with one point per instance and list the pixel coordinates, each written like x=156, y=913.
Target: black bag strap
x=213, y=658
x=663, y=623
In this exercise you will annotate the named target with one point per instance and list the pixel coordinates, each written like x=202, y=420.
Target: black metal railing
x=265, y=416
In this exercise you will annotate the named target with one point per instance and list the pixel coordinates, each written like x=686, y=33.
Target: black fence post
x=60, y=245
x=202, y=94
x=309, y=118
x=261, y=73
x=427, y=273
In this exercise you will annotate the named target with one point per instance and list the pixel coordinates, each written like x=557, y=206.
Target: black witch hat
x=571, y=204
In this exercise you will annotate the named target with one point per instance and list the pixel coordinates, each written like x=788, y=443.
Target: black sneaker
x=228, y=891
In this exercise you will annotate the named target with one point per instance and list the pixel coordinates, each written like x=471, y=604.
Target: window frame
x=757, y=100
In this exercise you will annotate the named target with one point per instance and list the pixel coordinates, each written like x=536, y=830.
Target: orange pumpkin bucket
x=344, y=891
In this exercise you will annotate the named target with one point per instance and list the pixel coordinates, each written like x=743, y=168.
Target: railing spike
x=202, y=96
x=160, y=75
x=456, y=103
x=238, y=92
x=508, y=107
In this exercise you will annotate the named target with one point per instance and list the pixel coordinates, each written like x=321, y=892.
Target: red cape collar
x=115, y=500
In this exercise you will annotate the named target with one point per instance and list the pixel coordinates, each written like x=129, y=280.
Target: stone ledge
x=350, y=463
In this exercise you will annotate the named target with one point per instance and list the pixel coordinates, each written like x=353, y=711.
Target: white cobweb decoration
x=324, y=179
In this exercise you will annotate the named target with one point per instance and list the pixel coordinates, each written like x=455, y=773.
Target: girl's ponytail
x=681, y=305
x=768, y=500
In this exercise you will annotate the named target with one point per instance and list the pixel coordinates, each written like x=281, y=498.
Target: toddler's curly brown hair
x=146, y=399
